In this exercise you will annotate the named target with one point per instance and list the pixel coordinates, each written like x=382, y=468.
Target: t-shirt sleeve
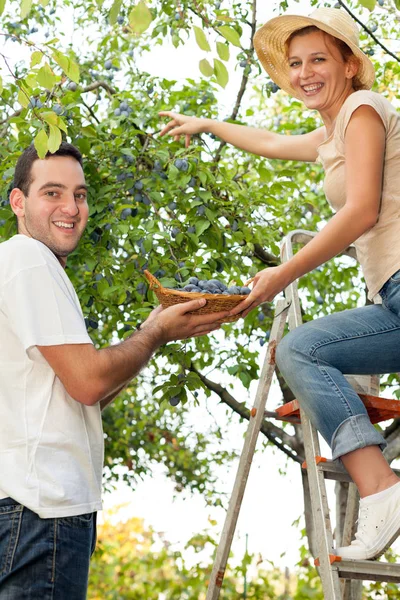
x=352, y=103
x=43, y=310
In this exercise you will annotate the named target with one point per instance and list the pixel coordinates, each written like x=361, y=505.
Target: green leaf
x=2, y=6
x=89, y=131
x=44, y=3
x=370, y=4
x=70, y=68
x=50, y=117
x=201, y=175
x=30, y=81
x=205, y=68
x=140, y=17
x=201, y=39
x=73, y=71
x=61, y=60
x=223, y=51
x=1, y=85
x=221, y=73
x=41, y=143
x=231, y=34
x=201, y=226
x=114, y=11
x=397, y=3
x=26, y=6
x=84, y=145
x=23, y=98
x=46, y=77
x=36, y=58
x=54, y=138
x=62, y=125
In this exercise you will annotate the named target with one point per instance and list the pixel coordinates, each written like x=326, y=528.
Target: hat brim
x=270, y=45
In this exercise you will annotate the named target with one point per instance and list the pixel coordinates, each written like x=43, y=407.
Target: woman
x=317, y=59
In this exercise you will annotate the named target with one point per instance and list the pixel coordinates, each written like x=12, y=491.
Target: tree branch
x=91, y=112
x=15, y=114
x=266, y=257
x=98, y=84
x=392, y=451
x=368, y=31
x=393, y=428
x=271, y=431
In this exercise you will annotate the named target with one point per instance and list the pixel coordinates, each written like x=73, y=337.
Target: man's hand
x=267, y=284
x=175, y=322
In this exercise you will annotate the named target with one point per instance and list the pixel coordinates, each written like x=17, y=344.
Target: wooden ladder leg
x=353, y=501
x=352, y=589
x=316, y=480
x=320, y=509
x=256, y=418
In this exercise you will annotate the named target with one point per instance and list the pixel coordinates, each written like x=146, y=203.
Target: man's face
x=55, y=212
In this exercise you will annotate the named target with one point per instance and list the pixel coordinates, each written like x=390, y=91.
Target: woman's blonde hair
x=343, y=48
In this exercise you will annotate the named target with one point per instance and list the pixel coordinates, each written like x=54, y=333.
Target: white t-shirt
x=51, y=446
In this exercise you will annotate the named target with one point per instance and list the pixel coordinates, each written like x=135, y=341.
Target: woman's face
x=318, y=72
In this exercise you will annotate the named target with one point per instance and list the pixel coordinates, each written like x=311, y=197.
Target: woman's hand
x=266, y=285
x=183, y=125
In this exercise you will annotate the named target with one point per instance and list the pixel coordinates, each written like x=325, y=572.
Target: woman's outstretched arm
x=251, y=139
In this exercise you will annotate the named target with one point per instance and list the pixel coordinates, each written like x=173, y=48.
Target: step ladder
x=341, y=578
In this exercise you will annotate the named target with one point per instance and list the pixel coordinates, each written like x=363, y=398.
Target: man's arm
x=91, y=375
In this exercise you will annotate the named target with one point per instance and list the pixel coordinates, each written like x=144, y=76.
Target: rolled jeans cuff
x=354, y=433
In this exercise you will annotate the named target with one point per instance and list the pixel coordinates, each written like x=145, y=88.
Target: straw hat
x=270, y=39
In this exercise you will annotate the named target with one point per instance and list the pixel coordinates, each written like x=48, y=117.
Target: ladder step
x=333, y=469
x=379, y=409
x=370, y=570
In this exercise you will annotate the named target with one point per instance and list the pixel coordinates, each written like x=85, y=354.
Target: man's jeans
x=44, y=559
x=313, y=358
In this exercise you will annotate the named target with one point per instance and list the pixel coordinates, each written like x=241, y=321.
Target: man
x=54, y=383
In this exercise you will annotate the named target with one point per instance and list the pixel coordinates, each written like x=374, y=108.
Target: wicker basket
x=215, y=302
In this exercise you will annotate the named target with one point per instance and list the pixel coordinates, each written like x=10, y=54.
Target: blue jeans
x=314, y=357
x=44, y=559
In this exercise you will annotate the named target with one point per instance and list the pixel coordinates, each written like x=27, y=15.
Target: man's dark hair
x=23, y=169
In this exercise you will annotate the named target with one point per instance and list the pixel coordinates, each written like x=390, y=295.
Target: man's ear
x=17, y=202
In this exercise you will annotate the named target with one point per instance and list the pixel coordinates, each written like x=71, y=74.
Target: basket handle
x=250, y=281
x=153, y=281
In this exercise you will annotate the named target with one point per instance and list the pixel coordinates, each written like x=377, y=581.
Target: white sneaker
x=378, y=525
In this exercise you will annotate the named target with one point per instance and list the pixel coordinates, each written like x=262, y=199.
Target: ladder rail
x=319, y=501
x=256, y=418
